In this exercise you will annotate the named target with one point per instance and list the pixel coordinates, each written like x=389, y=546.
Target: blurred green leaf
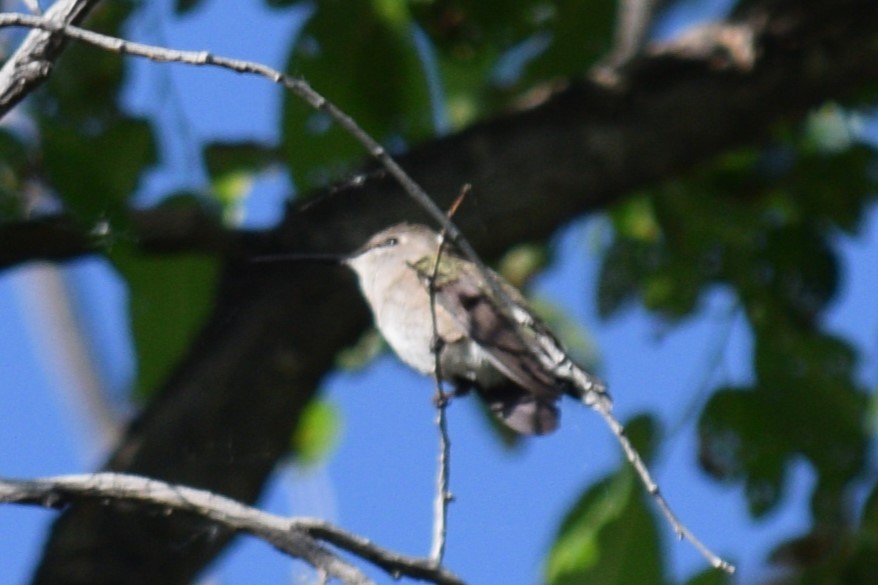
x=830, y=129
x=737, y=443
x=569, y=330
x=607, y=528
x=96, y=173
x=463, y=28
x=635, y=219
x=83, y=90
x=833, y=188
x=232, y=157
x=754, y=434
x=522, y=262
x=481, y=48
x=232, y=167
x=169, y=299
x=794, y=270
x=361, y=55
x=317, y=433
x=623, y=269
x=862, y=567
x=580, y=33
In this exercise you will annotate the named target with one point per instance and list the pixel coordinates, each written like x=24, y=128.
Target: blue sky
x=379, y=481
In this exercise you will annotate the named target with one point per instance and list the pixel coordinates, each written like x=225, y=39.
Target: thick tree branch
x=160, y=230
x=258, y=362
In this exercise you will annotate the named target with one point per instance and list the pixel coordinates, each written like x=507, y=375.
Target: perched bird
x=488, y=342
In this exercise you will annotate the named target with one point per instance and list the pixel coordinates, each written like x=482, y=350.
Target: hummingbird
x=486, y=338
x=440, y=311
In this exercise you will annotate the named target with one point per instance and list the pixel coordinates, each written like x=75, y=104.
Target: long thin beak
x=294, y=257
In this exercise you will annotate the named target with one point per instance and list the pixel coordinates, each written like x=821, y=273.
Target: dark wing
x=510, y=347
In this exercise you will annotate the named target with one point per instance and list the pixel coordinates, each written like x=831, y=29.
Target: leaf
x=361, y=55
x=83, y=90
x=481, y=48
x=862, y=567
x=576, y=340
x=317, y=432
x=369, y=346
x=609, y=536
x=580, y=33
x=624, y=268
x=834, y=187
x=736, y=443
x=169, y=299
x=232, y=166
x=96, y=173
x=522, y=262
x=799, y=269
x=231, y=157
x=754, y=434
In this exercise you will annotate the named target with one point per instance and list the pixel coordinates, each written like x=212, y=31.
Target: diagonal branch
x=298, y=86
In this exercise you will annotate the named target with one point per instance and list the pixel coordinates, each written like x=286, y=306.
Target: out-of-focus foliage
x=317, y=433
x=367, y=57
x=765, y=225
x=609, y=536
x=168, y=300
x=91, y=157
x=365, y=51
x=233, y=166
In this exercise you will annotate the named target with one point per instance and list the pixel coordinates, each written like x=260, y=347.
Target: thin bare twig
x=653, y=489
x=443, y=492
x=443, y=495
x=295, y=536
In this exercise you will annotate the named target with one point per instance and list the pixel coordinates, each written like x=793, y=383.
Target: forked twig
x=304, y=538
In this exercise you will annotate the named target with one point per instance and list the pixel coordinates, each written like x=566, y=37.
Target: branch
x=652, y=488
x=295, y=536
x=298, y=86
x=395, y=565
x=160, y=230
x=35, y=58
x=256, y=364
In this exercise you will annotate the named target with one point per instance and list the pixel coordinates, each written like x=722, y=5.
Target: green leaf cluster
x=765, y=225
x=89, y=156
x=364, y=56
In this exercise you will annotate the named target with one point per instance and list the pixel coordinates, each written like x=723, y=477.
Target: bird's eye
x=389, y=242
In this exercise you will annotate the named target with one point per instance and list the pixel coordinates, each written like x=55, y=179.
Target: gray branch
x=298, y=537
x=33, y=61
